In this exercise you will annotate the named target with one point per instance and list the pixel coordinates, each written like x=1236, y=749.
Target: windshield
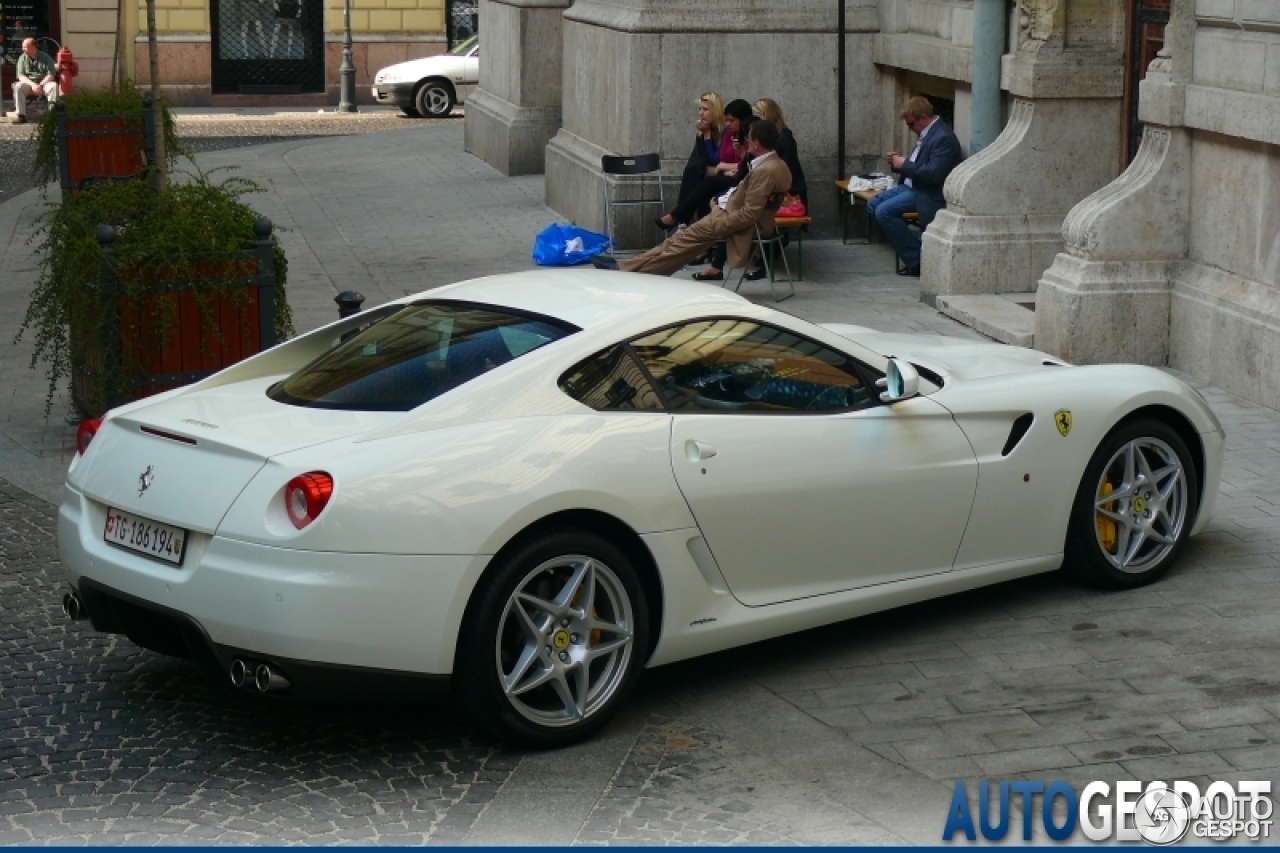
x=415, y=355
x=465, y=48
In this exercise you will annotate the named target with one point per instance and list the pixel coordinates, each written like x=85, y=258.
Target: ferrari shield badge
x=1063, y=419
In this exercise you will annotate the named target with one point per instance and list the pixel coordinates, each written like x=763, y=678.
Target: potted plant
x=143, y=289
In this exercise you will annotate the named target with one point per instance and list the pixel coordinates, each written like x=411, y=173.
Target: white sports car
x=528, y=487
x=430, y=87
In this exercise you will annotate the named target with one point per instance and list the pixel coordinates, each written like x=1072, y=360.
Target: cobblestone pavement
x=850, y=733
x=202, y=131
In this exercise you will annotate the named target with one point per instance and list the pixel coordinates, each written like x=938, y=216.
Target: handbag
x=792, y=207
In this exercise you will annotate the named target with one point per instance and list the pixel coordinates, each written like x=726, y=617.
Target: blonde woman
x=705, y=159
x=767, y=109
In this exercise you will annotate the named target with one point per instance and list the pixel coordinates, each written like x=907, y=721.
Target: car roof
x=591, y=298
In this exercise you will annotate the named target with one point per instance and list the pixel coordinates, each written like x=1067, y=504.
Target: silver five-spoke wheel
x=554, y=637
x=564, y=640
x=1135, y=506
x=1141, y=504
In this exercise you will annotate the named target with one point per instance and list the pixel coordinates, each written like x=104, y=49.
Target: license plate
x=144, y=536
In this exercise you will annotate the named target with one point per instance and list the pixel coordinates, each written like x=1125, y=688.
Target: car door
x=800, y=480
x=469, y=77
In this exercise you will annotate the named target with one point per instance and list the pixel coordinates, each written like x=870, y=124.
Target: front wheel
x=1135, y=507
x=553, y=641
x=433, y=100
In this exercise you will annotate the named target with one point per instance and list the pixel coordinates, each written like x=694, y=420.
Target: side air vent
x=1047, y=363
x=1021, y=424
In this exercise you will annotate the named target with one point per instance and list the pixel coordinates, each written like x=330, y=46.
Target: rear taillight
x=85, y=433
x=305, y=497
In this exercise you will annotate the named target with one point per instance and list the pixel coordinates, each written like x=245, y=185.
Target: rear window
x=415, y=355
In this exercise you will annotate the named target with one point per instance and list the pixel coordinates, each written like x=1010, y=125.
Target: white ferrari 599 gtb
x=526, y=488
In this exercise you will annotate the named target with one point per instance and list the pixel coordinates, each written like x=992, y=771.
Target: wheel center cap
x=1139, y=504
x=560, y=639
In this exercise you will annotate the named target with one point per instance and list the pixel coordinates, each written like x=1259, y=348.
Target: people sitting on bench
x=37, y=75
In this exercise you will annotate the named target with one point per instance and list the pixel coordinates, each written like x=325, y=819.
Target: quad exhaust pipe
x=73, y=607
x=254, y=675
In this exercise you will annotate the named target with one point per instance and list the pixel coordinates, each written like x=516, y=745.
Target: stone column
x=515, y=110
x=635, y=68
x=1006, y=205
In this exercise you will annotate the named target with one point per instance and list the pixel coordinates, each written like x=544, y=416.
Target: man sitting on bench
x=936, y=154
x=37, y=75
x=733, y=216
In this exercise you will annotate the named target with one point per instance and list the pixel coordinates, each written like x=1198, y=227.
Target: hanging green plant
x=126, y=103
x=194, y=237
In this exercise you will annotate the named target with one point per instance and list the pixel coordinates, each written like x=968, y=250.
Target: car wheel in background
x=433, y=100
x=1134, y=508
x=410, y=112
x=553, y=641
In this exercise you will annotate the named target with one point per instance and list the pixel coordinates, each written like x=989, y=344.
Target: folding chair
x=636, y=166
x=767, y=245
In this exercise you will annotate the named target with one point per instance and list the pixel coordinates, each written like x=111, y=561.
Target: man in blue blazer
x=923, y=173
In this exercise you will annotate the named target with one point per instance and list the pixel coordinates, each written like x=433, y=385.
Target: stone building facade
x=246, y=52
x=1133, y=178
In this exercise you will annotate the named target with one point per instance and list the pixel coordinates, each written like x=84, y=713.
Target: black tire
x=1150, y=517
x=411, y=112
x=495, y=636
x=433, y=100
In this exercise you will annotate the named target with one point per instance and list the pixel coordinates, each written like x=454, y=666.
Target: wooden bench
x=795, y=225
x=851, y=201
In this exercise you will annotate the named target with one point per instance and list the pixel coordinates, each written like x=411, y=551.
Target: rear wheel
x=433, y=100
x=553, y=641
x=1134, y=508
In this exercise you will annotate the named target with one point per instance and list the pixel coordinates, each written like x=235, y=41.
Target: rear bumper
x=174, y=633
x=394, y=94
x=382, y=613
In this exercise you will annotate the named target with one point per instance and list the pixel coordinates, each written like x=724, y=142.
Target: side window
x=611, y=381
x=738, y=365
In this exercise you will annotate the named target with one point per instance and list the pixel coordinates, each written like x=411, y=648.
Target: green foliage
x=168, y=236
x=126, y=103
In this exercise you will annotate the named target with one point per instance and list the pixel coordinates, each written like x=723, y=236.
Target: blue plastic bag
x=565, y=245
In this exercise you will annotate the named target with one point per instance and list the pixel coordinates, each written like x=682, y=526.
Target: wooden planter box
x=173, y=330
x=94, y=149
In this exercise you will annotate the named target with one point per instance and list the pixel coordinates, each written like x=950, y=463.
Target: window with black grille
x=268, y=47
x=463, y=21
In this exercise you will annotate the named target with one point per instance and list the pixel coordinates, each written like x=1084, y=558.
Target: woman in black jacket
x=768, y=110
x=718, y=178
x=705, y=156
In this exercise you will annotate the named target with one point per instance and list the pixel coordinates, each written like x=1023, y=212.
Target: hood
x=442, y=65
x=953, y=358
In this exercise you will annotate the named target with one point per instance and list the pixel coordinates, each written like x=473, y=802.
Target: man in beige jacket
x=733, y=216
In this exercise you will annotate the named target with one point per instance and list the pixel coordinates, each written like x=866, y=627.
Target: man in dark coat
x=923, y=173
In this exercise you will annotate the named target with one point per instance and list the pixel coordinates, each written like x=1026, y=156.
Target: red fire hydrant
x=67, y=68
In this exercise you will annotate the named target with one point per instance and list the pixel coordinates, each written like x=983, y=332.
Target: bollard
x=349, y=302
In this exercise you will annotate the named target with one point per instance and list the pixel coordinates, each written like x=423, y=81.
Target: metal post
x=347, y=71
x=111, y=346
x=840, y=93
x=265, y=282
x=990, y=19
x=349, y=302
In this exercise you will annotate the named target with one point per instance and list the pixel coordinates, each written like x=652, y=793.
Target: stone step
x=1004, y=317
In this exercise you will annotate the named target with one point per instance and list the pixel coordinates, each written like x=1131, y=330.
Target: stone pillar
x=634, y=70
x=515, y=110
x=1006, y=205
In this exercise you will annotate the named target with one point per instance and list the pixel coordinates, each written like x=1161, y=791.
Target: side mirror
x=900, y=382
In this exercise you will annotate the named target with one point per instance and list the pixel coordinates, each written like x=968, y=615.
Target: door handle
x=698, y=450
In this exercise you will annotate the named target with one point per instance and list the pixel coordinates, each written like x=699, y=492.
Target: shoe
x=709, y=276
x=664, y=226
x=19, y=120
x=914, y=272
x=604, y=262
x=755, y=274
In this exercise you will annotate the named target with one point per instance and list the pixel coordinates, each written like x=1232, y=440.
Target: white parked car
x=430, y=87
x=528, y=487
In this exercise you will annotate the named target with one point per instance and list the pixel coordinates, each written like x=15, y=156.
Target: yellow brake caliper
x=1106, y=527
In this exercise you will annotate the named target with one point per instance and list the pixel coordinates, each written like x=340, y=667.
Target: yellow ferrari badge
x=1063, y=419
x=560, y=640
